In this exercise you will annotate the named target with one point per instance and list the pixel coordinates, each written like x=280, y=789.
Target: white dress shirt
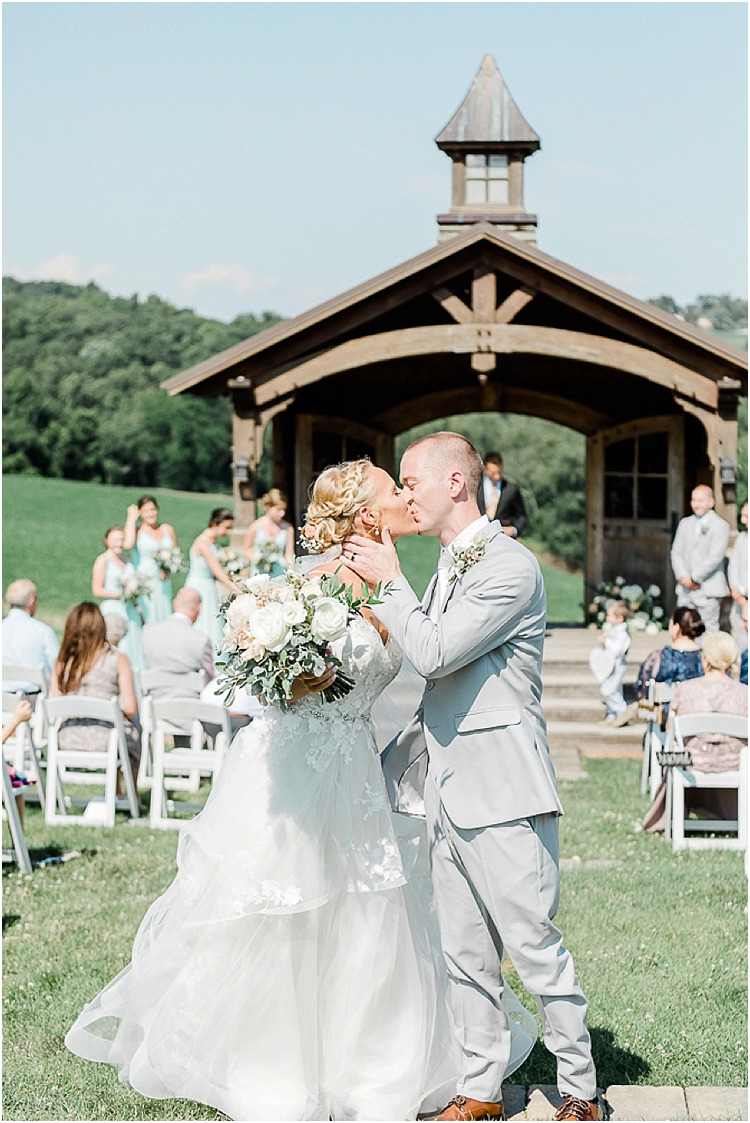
x=464, y=538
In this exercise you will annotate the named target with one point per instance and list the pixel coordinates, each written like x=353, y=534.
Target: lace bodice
x=369, y=662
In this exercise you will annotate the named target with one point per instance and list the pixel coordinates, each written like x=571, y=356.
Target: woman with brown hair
x=88, y=666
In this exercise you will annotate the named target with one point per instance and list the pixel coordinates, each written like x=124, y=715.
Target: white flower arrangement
x=464, y=557
x=169, y=559
x=646, y=614
x=280, y=628
x=231, y=561
x=266, y=556
x=135, y=584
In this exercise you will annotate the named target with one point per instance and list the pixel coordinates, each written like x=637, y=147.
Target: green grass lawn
x=659, y=941
x=53, y=530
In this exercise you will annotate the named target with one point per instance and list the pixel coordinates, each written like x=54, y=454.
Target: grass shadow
x=9, y=919
x=614, y=1065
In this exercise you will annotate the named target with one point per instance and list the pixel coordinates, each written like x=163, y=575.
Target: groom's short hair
x=450, y=451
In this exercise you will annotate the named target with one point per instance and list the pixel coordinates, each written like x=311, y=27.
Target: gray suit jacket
x=177, y=646
x=702, y=556
x=481, y=721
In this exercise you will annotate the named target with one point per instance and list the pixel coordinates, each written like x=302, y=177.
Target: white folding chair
x=19, y=851
x=88, y=766
x=191, y=682
x=16, y=672
x=653, y=739
x=171, y=765
x=20, y=750
x=681, y=778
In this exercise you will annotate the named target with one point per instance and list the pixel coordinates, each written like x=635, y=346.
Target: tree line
x=81, y=400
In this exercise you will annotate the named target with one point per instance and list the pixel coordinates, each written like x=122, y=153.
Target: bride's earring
x=377, y=531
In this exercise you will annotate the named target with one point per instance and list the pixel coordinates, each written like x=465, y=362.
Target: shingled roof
x=488, y=115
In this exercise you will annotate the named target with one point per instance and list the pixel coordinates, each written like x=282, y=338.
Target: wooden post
x=246, y=436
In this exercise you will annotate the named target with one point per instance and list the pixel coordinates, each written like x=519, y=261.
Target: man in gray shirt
x=176, y=646
x=27, y=642
x=698, y=553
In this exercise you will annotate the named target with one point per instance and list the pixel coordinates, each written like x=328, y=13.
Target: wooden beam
x=484, y=295
x=502, y=398
x=498, y=339
x=453, y=305
x=512, y=305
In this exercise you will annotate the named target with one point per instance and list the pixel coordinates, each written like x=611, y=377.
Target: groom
x=490, y=795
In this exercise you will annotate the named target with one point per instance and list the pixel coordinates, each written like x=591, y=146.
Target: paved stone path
x=633, y=1102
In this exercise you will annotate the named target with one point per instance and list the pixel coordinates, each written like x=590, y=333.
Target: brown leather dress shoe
x=579, y=1110
x=461, y=1107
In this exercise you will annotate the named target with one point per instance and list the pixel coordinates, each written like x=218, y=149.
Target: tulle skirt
x=292, y=970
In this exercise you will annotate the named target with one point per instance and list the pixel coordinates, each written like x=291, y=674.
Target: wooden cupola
x=488, y=139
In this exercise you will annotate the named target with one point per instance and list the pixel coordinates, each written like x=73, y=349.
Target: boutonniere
x=465, y=557
x=704, y=528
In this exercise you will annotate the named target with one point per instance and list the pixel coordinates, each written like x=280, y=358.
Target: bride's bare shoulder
x=340, y=569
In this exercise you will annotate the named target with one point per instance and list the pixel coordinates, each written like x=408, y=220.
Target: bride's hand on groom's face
x=374, y=562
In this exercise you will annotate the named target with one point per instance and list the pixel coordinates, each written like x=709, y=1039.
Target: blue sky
x=248, y=156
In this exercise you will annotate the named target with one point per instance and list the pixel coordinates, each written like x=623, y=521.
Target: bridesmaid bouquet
x=267, y=556
x=279, y=628
x=232, y=562
x=169, y=559
x=134, y=586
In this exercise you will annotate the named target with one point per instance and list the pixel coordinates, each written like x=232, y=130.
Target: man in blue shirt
x=26, y=642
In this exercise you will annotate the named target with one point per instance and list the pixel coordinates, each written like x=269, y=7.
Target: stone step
x=633, y=1102
x=575, y=708
x=595, y=739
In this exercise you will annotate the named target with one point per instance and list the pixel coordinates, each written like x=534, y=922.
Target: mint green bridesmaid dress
x=131, y=643
x=201, y=578
x=157, y=605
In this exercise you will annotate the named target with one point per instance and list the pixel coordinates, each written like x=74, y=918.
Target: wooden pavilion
x=486, y=321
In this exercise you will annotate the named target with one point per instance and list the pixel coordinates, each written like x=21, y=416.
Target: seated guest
x=715, y=692
x=18, y=781
x=117, y=629
x=26, y=642
x=175, y=645
x=743, y=656
x=679, y=660
x=87, y=665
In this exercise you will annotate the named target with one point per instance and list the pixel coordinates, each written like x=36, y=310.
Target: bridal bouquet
x=134, y=586
x=169, y=559
x=231, y=561
x=279, y=628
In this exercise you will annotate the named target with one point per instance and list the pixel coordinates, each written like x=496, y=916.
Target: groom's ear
x=457, y=484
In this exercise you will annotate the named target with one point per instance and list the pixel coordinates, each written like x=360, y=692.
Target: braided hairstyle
x=336, y=498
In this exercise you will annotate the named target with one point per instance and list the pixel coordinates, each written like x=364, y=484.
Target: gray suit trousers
x=496, y=892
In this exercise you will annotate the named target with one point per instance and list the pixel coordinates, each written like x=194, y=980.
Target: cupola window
x=486, y=179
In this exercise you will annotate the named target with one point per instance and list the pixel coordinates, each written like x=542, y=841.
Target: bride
x=292, y=969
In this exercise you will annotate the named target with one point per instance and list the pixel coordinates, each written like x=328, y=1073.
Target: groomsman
x=698, y=553
x=500, y=498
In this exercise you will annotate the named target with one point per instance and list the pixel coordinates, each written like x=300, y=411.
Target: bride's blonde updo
x=336, y=498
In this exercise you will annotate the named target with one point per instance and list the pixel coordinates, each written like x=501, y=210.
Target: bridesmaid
x=270, y=532
x=207, y=576
x=143, y=540
x=106, y=583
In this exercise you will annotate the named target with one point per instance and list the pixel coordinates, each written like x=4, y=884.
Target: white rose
x=310, y=590
x=294, y=613
x=657, y=612
x=282, y=593
x=258, y=584
x=254, y=652
x=654, y=591
x=652, y=629
x=269, y=627
x=239, y=610
x=330, y=619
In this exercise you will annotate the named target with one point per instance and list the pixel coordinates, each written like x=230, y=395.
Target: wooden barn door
x=635, y=490
x=322, y=441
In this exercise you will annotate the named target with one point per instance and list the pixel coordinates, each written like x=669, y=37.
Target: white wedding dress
x=292, y=969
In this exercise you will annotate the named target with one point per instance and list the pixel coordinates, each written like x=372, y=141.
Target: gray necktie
x=439, y=585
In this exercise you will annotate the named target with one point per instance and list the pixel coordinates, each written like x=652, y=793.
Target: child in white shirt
x=617, y=643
